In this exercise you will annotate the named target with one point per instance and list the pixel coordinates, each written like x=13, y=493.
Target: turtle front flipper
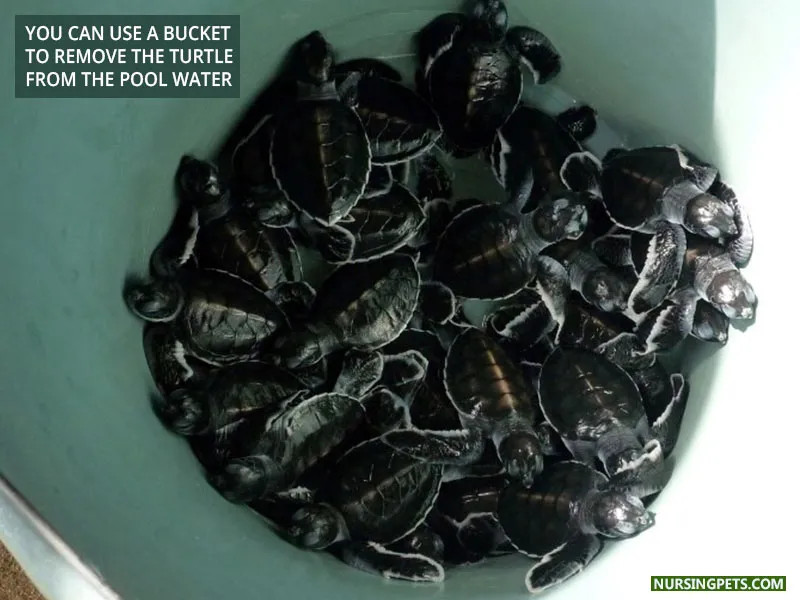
x=378, y=559
x=667, y=325
x=525, y=320
x=403, y=372
x=553, y=285
x=659, y=261
x=561, y=564
x=459, y=447
x=581, y=173
x=176, y=249
x=579, y=121
x=423, y=540
x=535, y=51
x=360, y=372
x=710, y=325
x=666, y=428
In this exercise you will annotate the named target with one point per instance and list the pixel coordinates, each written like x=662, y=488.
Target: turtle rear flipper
x=360, y=372
x=581, y=173
x=455, y=448
x=666, y=428
x=535, y=51
x=561, y=564
x=377, y=558
x=579, y=121
x=658, y=260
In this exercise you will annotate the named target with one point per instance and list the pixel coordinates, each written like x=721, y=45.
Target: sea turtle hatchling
x=559, y=521
x=644, y=186
x=319, y=151
x=489, y=252
x=361, y=305
x=171, y=367
x=373, y=497
x=597, y=409
x=493, y=401
x=375, y=227
x=219, y=318
x=222, y=235
x=551, y=146
x=470, y=64
x=400, y=125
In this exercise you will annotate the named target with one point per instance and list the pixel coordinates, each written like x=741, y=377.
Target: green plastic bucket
x=87, y=195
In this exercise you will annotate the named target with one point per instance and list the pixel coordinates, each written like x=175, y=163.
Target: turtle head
x=730, y=293
x=315, y=59
x=155, y=300
x=521, y=454
x=247, y=479
x=710, y=217
x=606, y=290
x=183, y=412
x=618, y=514
x=298, y=351
x=561, y=218
x=315, y=527
x=490, y=18
x=199, y=180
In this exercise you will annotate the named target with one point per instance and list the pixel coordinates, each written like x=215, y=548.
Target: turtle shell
x=240, y=245
x=461, y=498
x=634, y=182
x=400, y=125
x=381, y=494
x=474, y=88
x=584, y=395
x=225, y=319
x=541, y=518
x=320, y=157
x=170, y=366
x=483, y=254
x=484, y=384
x=366, y=305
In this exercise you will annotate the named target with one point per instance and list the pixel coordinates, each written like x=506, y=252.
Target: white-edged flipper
x=667, y=427
x=376, y=558
x=458, y=447
x=581, y=173
x=658, y=259
x=535, y=51
x=740, y=247
x=562, y=563
x=552, y=284
x=667, y=325
x=614, y=249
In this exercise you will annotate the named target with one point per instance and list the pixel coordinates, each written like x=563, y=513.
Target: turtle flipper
x=627, y=351
x=176, y=249
x=649, y=476
x=581, y=173
x=335, y=243
x=561, y=564
x=614, y=249
x=523, y=323
x=667, y=427
x=535, y=51
x=378, y=559
x=740, y=247
x=436, y=38
x=459, y=447
x=580, y=121
x=423, y=540
x=385, y=410
x=511, y=168
x=661, y=257
x=360, y=372
x=552, y=284
x=710, y=325
x=405, y=371
x=669, y=324
x=437, y=303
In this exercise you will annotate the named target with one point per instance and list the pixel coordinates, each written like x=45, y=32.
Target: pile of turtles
x=468, y=377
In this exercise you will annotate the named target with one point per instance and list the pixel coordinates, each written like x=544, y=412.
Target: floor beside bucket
x=14, y=584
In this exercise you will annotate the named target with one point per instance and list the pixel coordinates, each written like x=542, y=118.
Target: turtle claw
x=579, y=121
x=378, y=559
x=535, y=51
x=565, y=562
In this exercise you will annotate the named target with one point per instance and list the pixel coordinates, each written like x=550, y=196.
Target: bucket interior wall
x=88, y=193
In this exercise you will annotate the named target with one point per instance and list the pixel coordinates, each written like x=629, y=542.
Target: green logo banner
x=724, y=583
x=145, y=56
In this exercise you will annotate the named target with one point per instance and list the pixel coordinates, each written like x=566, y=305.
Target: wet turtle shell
x=400, y=125
x=382, y=495
x=319, y=153
x=362, y=305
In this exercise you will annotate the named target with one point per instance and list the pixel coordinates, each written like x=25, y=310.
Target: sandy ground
x=14, y=585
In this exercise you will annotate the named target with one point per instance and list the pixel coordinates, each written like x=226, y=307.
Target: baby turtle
x=223, y=236
x=170, y=365
x=532, y=138
x=644, y=186
x=471, y=64
x=319, y=153
x=400, y=125
x=493, y=401
x=218, y=317
x=597, y=409
x=559, y=520
x=291, y=442
x=489, y=252
x=375, y=227
x=362, y=305
x=374, y=496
